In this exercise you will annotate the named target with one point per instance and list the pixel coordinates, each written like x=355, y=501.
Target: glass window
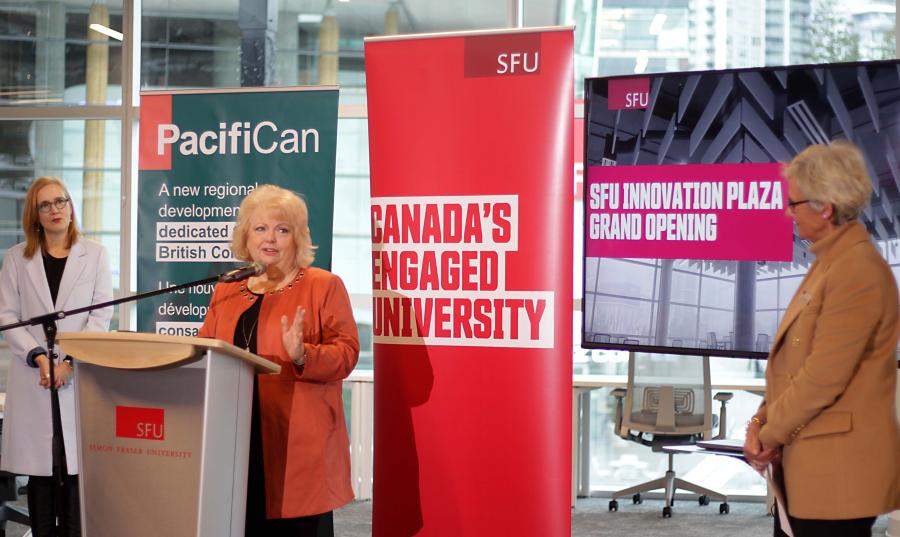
x=30, y=149
x=48, y=56
x=677, y=35
x=625, y=318
x=715, y=327
x=717, y=293
x=685, y=287
x=786, y=289
x=766, y=326
x=591, y=270
x=892, y=248
x=619, y=277
x=682, y=326
x=766, y=294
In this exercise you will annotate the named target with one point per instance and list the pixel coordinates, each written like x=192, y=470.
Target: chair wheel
x=636, y=499
x=724, y=508
x=667, y=512
x=613, y=505
x=703, y=500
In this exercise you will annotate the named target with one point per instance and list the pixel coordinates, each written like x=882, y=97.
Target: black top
x=245, y=331
x=54, y=267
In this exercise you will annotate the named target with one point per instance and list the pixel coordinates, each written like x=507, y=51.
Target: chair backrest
x=668, y=394
x=762, y=342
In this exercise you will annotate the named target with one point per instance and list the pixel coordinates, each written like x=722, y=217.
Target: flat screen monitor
x=688, y=249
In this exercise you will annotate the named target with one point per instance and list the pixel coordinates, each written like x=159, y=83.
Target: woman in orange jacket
x=299, y=317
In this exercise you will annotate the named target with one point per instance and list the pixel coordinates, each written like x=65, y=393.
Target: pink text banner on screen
x=688, y=211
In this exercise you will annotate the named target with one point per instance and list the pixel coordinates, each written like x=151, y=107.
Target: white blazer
x=24, y=293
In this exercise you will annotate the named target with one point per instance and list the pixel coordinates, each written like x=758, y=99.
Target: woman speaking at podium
x=828, y=415
x=299, y=317
x=54, y=269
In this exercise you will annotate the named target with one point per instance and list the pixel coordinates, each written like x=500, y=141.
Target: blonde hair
x=289, y=206
x=835, y=173
x=31, y=223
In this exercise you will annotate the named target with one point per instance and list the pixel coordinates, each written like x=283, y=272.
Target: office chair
x=602, y=338
x=762, y=342
x=667, y=402
x=714, y=342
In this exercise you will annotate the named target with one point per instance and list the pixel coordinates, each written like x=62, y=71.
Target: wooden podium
x=164, y=429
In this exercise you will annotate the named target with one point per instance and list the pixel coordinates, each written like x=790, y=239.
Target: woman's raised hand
x=292, y=335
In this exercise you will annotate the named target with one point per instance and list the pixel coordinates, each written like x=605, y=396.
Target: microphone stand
x=50, y=318
x=48, y=322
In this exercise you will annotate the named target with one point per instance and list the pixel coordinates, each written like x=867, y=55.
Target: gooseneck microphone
x=242, y=273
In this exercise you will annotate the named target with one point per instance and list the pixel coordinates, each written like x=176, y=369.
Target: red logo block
x=502, y=55
x=629, y=93
x=142, y=423
x=152, y=154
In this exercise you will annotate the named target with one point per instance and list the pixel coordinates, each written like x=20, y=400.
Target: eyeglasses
x=792, y=204
x=59, y=203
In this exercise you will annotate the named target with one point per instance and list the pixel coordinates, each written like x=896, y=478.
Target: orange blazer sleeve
x=336, y=355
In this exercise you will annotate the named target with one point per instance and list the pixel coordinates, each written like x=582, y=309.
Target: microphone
x=242, y=273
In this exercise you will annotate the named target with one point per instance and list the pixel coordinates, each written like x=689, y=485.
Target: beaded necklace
x=246, y=293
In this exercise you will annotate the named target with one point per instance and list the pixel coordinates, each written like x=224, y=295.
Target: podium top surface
x=141, y=350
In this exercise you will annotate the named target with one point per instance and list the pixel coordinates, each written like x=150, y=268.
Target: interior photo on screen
x=687, y=247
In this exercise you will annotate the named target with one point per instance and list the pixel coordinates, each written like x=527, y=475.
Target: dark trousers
x=54, y=507
x=256, y=524
x=43, y=511
x=321, y=525
x=806, y=527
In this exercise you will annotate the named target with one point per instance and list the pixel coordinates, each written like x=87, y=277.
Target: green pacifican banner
x=201, y=152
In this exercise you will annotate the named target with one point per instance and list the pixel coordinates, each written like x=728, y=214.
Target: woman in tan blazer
x=828, y=419
x=299, y=317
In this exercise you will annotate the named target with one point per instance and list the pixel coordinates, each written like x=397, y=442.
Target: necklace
x=247, y=335
x=246, y=293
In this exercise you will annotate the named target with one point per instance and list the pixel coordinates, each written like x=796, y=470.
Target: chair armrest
x=619, y=394
x=723, y=397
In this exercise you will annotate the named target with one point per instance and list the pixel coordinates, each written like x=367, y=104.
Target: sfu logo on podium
x=142, y=423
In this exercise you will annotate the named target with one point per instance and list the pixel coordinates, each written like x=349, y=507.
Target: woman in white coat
x=54, y=269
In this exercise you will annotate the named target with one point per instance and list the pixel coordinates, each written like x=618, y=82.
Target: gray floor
x=591, y=518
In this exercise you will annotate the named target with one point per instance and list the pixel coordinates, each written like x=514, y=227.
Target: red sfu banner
x=472, y=281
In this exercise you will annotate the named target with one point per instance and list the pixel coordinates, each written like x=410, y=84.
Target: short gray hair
x=835, y=173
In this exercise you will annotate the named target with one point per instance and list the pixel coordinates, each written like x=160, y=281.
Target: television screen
x=687, y=246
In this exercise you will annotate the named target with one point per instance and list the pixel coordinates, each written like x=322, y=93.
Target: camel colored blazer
x=830, y=384
x=306, y=450
x=25, y=293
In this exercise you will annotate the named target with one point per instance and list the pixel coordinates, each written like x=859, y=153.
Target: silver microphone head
x=242, y=273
